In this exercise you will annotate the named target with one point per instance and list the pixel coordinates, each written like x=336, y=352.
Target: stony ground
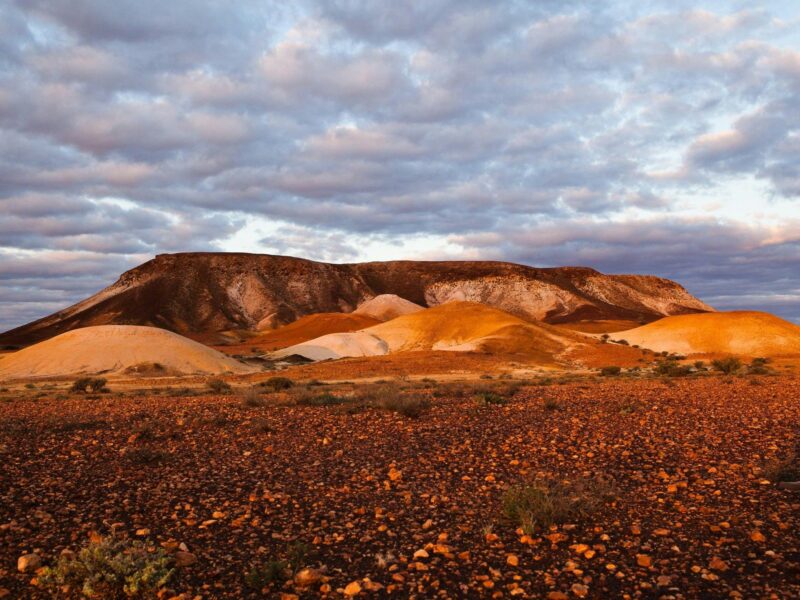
x=379, y=504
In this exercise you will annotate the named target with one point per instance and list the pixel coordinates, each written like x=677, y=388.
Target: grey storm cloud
x=550, y=132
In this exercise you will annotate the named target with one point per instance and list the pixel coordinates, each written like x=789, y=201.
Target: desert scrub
x=277, y=384
x=218, y=386
x=551, y=404
x=252, y=398
x=412, y=407
x=109, y=568
x=325, y=399
x=610, y=371
x=86, y=384
x=783, y=469
x=266, y=574
x=727, y=365
x=543, y=503
x=491, y=398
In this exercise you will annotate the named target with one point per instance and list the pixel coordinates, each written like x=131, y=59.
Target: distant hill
x=748, y=333
x=199, y=293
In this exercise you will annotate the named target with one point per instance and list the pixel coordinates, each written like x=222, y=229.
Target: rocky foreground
x=254, y=498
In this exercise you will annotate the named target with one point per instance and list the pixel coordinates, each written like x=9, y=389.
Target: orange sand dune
x=748, y=333
x=115, y=349
x=454, y=326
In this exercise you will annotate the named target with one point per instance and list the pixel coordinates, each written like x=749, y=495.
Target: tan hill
x=455, y=326
x=387, y=307
x=199, y=293
x=747, y=333
x=115, y=350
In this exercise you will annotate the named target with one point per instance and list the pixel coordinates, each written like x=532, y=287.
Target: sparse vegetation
x=110, y=568
x=218, y=386
x=266, y=574
x=491, y=398
x=87, y=384
x=727, y=365
x=252, y=398
x=408, y=406
x=551, y=404
x=782, y=469
x=324, y=399
x=758, y=366
x=540, y=504
x=278, y=384
x=610, y=371
x=147, y=456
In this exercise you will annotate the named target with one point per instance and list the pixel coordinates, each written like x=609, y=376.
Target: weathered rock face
x=195, y=293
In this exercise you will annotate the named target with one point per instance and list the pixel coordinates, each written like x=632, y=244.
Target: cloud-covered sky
x=655, y=137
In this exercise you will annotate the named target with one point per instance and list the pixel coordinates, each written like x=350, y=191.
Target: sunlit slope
x=454, y=326
x=114, y=349
x=747, y=333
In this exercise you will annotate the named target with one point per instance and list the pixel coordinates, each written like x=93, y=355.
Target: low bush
x=491, y=398
x=109, y=568
x=610, y=371
x=252, y=398
x=218, y=386
x=542, y=503
x=551, y=404
x=408, y=406
x=325, y=399
x=727, y=365
x=782, y=469
x=277, y=384
x=86, y=384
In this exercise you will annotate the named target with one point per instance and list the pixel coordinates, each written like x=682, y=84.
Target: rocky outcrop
x=198, y=293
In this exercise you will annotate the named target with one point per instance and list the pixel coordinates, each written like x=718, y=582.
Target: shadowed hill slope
x=209, y=292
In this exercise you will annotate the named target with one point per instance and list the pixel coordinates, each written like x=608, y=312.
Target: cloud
x=657, y=136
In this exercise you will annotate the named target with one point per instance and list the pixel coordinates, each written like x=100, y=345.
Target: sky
x=633, y=137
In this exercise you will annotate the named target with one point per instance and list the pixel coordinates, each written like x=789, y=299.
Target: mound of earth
x=387, y=307
x=310, y=327
x=455, y=326
x=748, y=333
x=116, y=349
x=200, y=293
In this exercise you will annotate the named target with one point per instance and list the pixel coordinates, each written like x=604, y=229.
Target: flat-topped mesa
x=199, y=293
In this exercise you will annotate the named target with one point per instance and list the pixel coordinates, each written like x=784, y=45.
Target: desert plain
x=487, y=437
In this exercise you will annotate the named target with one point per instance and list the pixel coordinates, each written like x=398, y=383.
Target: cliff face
x=195, y=293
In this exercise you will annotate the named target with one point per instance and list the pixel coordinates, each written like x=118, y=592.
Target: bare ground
x=365, y=490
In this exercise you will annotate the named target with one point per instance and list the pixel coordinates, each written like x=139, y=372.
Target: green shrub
x=85, y=384
x=218, y=386
x=277, y=384
x=491, y=398
x=539, y=504
x=610, y=371
x=110, y=568
x=758, y=366
x=265, y=574
x=727, y=365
